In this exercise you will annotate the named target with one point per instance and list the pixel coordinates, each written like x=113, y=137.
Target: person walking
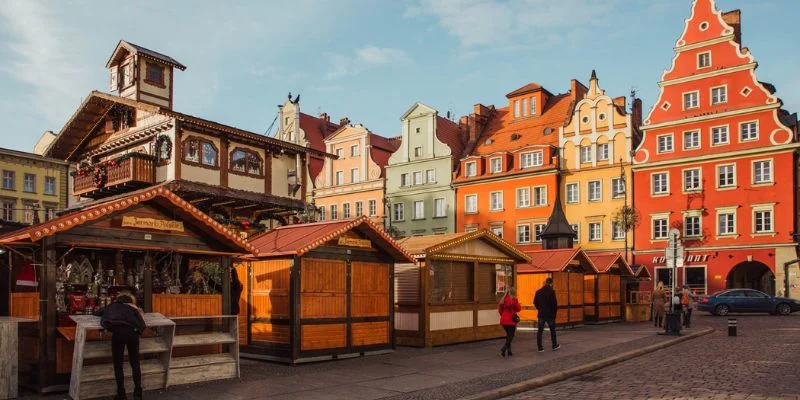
x=659, y=300
x=508, y=309
x=236, y=291
x=126, y=323
x=688, y=300
x=547, y=305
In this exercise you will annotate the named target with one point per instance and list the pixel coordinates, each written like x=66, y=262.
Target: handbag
x=515, y=318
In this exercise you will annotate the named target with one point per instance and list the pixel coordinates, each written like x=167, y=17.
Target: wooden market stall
x=605, y=291
x=451, y=295
x=174, y=258
x=637, y=302
x=567, y=268
x=319, y=291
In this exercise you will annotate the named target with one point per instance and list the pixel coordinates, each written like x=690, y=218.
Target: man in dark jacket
x=547, y=306
x=126, y=324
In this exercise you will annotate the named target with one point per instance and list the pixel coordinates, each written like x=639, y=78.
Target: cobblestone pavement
x=762, y=362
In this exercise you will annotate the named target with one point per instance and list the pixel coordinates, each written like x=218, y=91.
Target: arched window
x=245, y=162
x=200, y=151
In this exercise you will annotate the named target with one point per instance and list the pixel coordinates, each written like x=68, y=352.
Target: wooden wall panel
x=270, y=291
x=370, y=333
x=406, y=284
x=187, y=305
x=241, y=273
x=589, y=295
x=25, y=305
x=370, y=289
x=271, y=333
x=323, y=288
x=576, y=292
x=317, y=337
x=576, y=314
x=527, y=285
x=323, y=305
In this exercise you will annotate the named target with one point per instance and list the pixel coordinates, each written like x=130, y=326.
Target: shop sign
x=689, y=258
x=353, y=242
x=152, y=223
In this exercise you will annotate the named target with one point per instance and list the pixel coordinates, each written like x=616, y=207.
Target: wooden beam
x=243, y=207
x=223, y=203
x=200, y=200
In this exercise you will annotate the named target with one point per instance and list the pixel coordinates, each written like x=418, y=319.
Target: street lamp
x=310, y=213
x=623, y=191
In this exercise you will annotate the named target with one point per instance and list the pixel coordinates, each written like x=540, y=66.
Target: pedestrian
x=126, y=323
x=236, y=291
x=688, y=301
x=547, y=306
x=508, y=309
x=659, y=300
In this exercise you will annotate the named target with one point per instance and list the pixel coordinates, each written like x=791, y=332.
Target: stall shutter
x=406, y=286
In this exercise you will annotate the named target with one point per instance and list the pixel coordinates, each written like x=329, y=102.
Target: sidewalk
x=447, y=372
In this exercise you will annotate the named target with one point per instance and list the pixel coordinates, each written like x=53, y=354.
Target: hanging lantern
x=27, y=277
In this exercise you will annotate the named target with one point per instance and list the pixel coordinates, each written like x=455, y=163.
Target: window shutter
x=406, y=287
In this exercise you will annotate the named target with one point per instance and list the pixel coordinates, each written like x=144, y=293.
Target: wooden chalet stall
x=172, y=256
x=567, y=268
x=319, y=291
x=637, y=302
x=451, y=295
x=605, y=291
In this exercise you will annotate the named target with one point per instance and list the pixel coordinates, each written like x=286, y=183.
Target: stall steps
x=98, y=380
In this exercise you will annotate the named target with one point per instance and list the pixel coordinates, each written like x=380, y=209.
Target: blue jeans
x=551, y=323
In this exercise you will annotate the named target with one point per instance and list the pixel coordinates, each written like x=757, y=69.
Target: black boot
x=503, y=351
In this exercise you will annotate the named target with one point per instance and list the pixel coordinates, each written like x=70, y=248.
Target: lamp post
x=623, y=191
x=310, y=213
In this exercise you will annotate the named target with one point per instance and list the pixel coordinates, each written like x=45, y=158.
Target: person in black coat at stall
x=547, y=306
x=236, y=291
x=126, y=323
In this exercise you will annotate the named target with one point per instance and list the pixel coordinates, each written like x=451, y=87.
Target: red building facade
x=718, y=161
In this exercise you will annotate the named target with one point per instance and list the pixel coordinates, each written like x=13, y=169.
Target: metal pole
x=625, y=206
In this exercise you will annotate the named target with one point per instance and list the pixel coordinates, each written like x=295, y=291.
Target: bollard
x=731, y=326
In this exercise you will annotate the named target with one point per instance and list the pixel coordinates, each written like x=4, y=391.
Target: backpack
x=685, y=298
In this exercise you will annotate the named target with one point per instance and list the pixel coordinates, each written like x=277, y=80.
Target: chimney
x=576, y=90
x=734, y=19
x=477, y=121
x=344, y=121
x=325, y=117
x=636, y=113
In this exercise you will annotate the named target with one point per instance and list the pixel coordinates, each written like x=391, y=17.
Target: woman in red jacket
x=508, y=309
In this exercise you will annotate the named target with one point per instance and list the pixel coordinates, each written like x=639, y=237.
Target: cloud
x=364, y=58
x=512, y=24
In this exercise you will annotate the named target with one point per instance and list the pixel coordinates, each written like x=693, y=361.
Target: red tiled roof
x=316, y=129
x=420, y=245
x=302, y=238
x=389, y=144
x=381, y=149
x=450, y=134
x=552, y=260
x=605, y=261
x=525, y=89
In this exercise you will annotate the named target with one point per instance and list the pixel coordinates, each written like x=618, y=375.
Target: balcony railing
x=135, y=171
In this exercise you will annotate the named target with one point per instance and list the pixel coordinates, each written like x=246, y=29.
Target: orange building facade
x=508, y=180
x=718, y=162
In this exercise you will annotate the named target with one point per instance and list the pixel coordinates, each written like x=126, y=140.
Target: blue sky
x=367, y=60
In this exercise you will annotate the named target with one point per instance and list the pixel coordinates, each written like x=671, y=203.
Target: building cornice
x=709, y=42
x=708, y=117
x=717, y=248
x=709, y=74
x=784, y=148
x=504, y=177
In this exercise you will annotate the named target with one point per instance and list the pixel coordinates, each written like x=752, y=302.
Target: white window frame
x=354, y=176
x=401, y=207
x=693, y=214
x=359, y=208
x=437, y=213
x=727, y=130
x=499, y=165
x=321, y=213
x=517, y=112
x=471, y=168
x=474, y=202
x=589, y=195
x=527, y=198
x=717, y=174
x=536, y=232
x=698, y=60
x=753, y=175
x=697, y=134
x=617, y=194
x=405, y=179
x=334, y=212
x=340, y=153
x=576, y=192
x=497, y=230
x=519, y=238
x=418, y=151
x=430, y=176
x=724, y=94
x=664, y=192
x=599, y=226
x=372, y=207
x=419, y=212
x=671, y=148
x=759, y=208
x=531, y=159
x=339, y=178
x=726, y=211
x=536, y=198
x=602, y=155
x=653, y=220
x=577, y=229
x=585, y=154
x=741, y=132
x=696, y=102
x=533, y=105
x=354, y=150
x=524, y=106
x=496, y=195
x=699, y=178
x=419, y=178
x=346, y=211
x=614, y=231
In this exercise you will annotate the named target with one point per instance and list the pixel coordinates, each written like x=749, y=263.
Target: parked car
x=747, y=301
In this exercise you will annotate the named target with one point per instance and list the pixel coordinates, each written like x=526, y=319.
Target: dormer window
x=154, y=74
x=245, y=162
x=524, y=106
x=127, y=74
x=531, y=159
x=516, y=109
x=533, y=105
x=471, y=169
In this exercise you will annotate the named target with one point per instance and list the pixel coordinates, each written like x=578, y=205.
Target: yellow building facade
x=32, y=188
x=595, y=163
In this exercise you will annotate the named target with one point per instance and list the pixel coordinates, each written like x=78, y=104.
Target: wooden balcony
x=134, y=172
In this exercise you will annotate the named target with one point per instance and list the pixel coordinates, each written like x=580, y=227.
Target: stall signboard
x=354, y=242
x=152, y=223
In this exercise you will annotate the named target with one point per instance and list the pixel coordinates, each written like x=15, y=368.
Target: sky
x=367, y=60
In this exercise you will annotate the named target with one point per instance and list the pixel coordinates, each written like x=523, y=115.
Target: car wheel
x=722, y=310
x=783, y=309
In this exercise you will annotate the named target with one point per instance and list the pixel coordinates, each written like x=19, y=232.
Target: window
x=200, y=151
x=719, y=95
x=419, y=210
x=573, y=196
x=595, y=193
x=322, y=213
x=617, y=233
x=8, y=180
x=577, y=229
x=602, y=152
x=586, y=154
x=29, y=213
x=471, y=169
x=496, y=165
x=523, y=233
x=665, y=144
x=704, y=60
x=154, y=74
x=430, y=176
x=617, y=188
x=537, y=232
x=691, y=179
x=540, y=196
x=692, y=226
x=726, y=175
x=497, y=230
x=660, y=228
x=372, y=208
x=339, y=177
x=533, y=105
x=340, y=153
x=8, y=210
x=417, y=151
x=660, y=182
x=691, y=140
x=748, y=131
x=471, y=203
x=762, y=221
x=524, y=106
x=359, y=208
x=416, y=130
x=404, y=180
x=418, y=178
x=532, y=159
x=496, y=201
x=719, y=135
x=246, y=162
x=127, y=74
x=595, y=232
x=439, y=208
x=523, y=197
x=354, y=175
x=346, y=210
x=516, y=109
x=664, y=274
x=209, y=154
x=762, y=171
x=399, y=212
x=334, y=212
x=691, y=100
x=726, y=222
x=29, y=183
x=50, y=185
x=354, y=150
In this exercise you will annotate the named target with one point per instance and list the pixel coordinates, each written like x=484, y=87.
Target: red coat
x=507, y=308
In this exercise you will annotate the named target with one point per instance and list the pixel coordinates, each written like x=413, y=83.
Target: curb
x=549, y=379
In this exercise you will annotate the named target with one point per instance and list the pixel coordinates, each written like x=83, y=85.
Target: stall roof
x=639, y=271
x=302, y=238
x=554, y=260
x=156, y=194
x=421, y=246
x=605, y=261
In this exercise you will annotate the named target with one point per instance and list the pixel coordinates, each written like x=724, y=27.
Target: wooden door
x=369, y=283
x=269, y=301
x=323, y=304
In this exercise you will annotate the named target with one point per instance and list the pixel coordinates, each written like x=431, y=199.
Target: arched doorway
x=752, y=275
